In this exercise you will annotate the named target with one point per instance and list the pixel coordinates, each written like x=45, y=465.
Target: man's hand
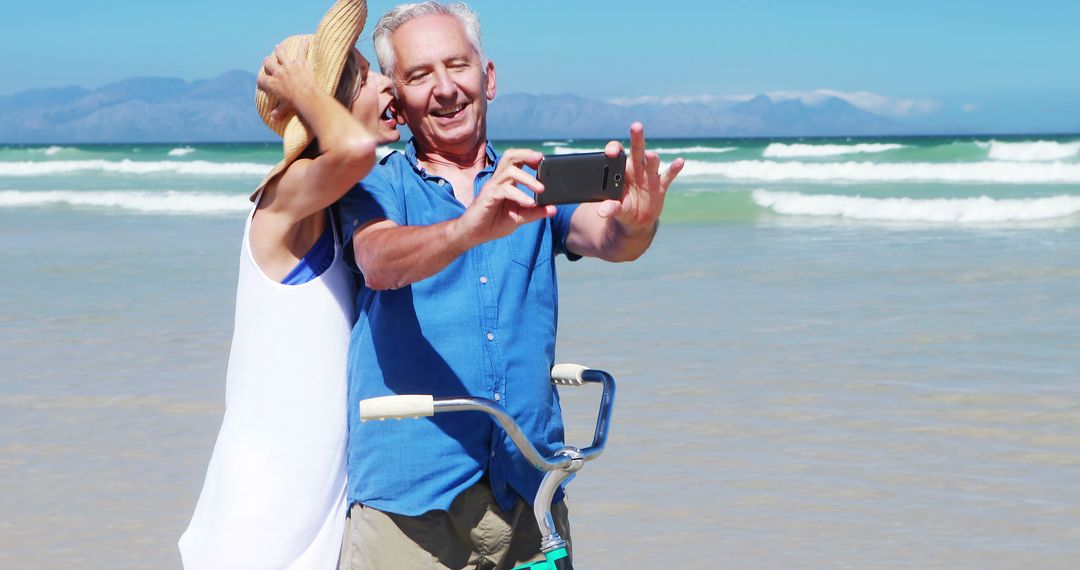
x=645, y=188
x=500, y=207
x=393, y=256
x=621, y=230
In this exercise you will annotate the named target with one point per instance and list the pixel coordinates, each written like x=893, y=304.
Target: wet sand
x=789, y=397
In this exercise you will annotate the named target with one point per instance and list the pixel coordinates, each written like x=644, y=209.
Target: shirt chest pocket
x=530, y=245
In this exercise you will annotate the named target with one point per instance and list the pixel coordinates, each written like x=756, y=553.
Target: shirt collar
x=410, y=155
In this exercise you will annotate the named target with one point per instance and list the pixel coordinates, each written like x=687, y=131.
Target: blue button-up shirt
x=483, y=326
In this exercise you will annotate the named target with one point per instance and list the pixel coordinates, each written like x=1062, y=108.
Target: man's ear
x=489, y=81
x=398, y=117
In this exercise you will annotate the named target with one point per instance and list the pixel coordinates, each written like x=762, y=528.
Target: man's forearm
x=393, y=256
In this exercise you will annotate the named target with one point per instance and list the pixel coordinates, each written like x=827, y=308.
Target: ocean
x=838, y=353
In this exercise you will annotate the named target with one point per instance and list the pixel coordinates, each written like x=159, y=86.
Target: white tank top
x=274, y=495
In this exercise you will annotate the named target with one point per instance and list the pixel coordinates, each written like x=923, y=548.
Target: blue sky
x=981, y=62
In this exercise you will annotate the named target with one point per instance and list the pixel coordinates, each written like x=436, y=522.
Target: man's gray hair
x=403, y=13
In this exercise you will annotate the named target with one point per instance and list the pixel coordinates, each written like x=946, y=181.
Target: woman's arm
x=346, y=148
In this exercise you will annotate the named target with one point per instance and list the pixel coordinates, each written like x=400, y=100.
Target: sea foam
x=693, y=150
x=782, y=150
x=194, y=167
x=1030, y=151
x=569, y=150
x=658, y=150
x=842, y=172
x=182, y=151
x=942, y=210
x=166, y=202
x=49, y=151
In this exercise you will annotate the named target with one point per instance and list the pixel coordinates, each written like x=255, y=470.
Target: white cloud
x=672, y=99
x=873, y=102
x=969, y=107
x=865, y=100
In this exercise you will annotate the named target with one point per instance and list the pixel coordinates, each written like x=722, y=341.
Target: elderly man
x=459, y=298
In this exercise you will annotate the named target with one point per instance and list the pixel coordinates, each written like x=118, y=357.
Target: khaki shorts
x=475, y=533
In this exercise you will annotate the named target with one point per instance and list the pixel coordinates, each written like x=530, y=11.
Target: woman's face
x=372, y=103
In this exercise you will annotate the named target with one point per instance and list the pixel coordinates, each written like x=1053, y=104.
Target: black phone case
x=585, y=177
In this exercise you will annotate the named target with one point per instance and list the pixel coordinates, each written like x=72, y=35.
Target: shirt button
x=483, y=279
x=442, y=182
x=491, y=336
x=497, y=397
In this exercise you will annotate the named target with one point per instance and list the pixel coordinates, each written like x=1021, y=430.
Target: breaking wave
x=194, y=167
x=942, y=210
x=982, y=172
x=167, y=202
x=1030, y=151
x=49, y=151
x=569, y=150
x=182, y=151
x=782, y=150
x=658, y=150
x=695, y=150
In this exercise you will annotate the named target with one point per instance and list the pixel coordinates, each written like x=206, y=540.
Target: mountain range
x=150, y=109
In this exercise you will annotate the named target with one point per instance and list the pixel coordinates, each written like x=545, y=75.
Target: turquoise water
x=861, y=353
x=915, y=180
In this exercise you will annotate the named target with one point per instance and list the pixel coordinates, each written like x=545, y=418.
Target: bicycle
x=562, y=463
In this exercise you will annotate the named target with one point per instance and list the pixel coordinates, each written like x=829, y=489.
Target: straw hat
x=329, y=49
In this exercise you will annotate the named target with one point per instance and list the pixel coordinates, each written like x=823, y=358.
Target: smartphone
x=584, y=177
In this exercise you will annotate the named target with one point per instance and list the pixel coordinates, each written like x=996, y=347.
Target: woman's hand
x=288, y=79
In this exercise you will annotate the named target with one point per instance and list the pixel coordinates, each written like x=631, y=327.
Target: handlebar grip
x=397, y=407
x=567, y=374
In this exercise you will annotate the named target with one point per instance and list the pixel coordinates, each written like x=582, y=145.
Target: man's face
x=442, y=89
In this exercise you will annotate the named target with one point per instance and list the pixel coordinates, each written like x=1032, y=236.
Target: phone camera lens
x=618, y=178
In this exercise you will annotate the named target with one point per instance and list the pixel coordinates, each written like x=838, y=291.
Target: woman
x=274, y=495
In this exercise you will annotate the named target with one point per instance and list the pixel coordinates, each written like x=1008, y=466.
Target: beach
x=840, y=353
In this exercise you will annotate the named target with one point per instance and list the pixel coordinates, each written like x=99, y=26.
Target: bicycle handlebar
x=567, y=374
x=559, y=466
x=396, y=407
x=418, y=406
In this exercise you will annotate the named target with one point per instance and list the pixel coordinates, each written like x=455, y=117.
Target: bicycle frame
x=564, y=462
